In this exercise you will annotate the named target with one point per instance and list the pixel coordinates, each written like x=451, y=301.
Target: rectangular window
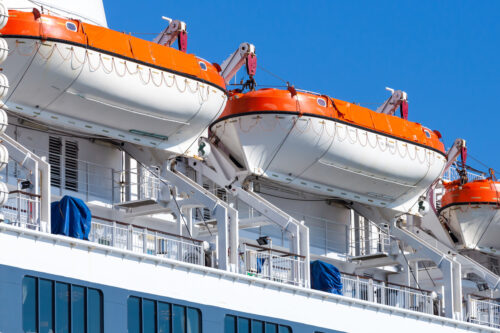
x=234, y=324
x=62, y=307
x=149, y=316
x=30, y=320
x=178, y=319
x=134, y=315
x=193, y=320
x=50, y=306
x=46, y=300
x=94, y=311
x=164, y=315
x=77, y=309
x=145, y=315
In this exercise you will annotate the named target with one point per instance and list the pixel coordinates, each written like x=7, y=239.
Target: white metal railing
x=452, y=174
x=387, y=294
x=368, y=239
x=141, y=240
x=22, y=209
x=137, y=184
x=271, y=266
x=483, y=312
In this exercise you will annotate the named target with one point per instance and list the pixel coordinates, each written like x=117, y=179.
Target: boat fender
x=4, y=50
x=4, y=85
x=4, y=157
x=3, y=121
x=4, y=14
x=4, y=194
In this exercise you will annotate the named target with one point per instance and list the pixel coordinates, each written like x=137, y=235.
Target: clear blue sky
x=444, y=54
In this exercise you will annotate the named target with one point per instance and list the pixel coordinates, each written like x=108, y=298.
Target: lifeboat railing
x=483, y=311
x=147, y=241
x=136, y=184
x=385, y=293
x=452, y=174
x=274, y=265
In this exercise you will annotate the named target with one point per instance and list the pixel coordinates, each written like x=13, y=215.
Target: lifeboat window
x=427, y=133
x=321, y=102
x=71, y=26
x=203, y=65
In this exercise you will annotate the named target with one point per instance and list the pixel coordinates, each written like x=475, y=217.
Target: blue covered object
x=70, y=217
x=325, y=277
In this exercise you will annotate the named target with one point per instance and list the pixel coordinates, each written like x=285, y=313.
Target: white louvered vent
x=71, y=166
x=55, y=152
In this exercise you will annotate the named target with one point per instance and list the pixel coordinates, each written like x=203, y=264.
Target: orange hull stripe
x=276, y=101
x=24, y=25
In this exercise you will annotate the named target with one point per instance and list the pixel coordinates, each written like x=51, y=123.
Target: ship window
x=145, y=315
x=71, y=26
x=77, y=309
x=94, y=311
x=321, y=102
x=29, y=304
x=62, y=307
x=233, y=324
x=203, y=65
x=164, y=314
x=149, y=316
x=178, y=319
x=193, y=320
x=427, y=133
x=257, y=326
x=230, y=324
x=134, y=315
x=47, y=304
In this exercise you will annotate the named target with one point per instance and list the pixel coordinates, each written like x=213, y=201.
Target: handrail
x=287, y=254
x=26, y=193
x=153, y=230
x=386, y=283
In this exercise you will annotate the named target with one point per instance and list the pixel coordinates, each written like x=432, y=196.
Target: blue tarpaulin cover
x=325, y=277
x=70, y=217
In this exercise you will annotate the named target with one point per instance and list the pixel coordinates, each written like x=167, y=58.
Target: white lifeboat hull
x=478, y=224
x=331, y=158
x=71, y=87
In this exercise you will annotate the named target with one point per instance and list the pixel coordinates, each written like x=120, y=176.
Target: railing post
x=113, y=239
x=357, y=288
x=87, y=180
x=382, y=293
x=370, y=291
x=270, y=265
x=112, y=185
x=155, y=245
x=130, y=236
x=145, y=241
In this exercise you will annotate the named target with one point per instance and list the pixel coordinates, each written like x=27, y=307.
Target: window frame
x=252, y=320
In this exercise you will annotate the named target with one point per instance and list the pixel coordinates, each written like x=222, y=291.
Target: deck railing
x=452, y=174
x=387, y=294
x=142, y=240
x=22, y=209
x=274, y=265
x=483, y=312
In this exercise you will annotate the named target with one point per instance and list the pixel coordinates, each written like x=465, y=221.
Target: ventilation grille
x=55, y=152
x=71, y=166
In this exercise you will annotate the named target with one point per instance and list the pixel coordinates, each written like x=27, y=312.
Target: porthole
x=203, y=65
x=427, y=134
x=71, y=26
x=321, y=102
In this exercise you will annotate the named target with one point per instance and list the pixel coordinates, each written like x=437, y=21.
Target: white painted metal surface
x=478, y=224
x=333, y=159
x=194, y=283
x=102, y=95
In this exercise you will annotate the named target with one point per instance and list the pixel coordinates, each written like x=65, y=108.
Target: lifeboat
x=95, y=80
x=331, y=147
x=472, y=211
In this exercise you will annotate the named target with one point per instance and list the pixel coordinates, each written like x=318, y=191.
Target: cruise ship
x=140, y=193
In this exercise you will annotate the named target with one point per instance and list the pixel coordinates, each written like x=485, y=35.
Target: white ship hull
x=103, y=95
x=331, y=158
